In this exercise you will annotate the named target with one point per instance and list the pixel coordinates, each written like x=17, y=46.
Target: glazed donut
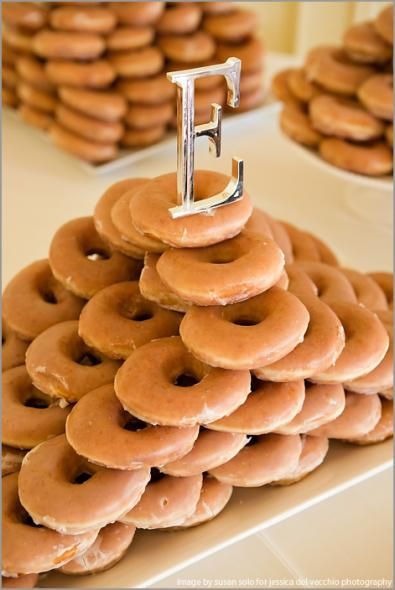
x=20, y=41
x=9, y=55
x=140, y=63
x=331, y=115
x=29, y=416
x=367, y=342
x=363, y=44
x=303, y=244
x=121, y=218
x=90, y=151
x=323, y=342
x=13, y=348
x=295, y=123
x=129, y=38
x=193, y=48
x=300, y=283
x=384, y=428
x=325, y=253
x=87, y=127
x=110, y=546
x=216, y=7
x=332, y=69
x=231, y=27
x=179, y=20
x=137, y=13
x=61, y=45
x=167, y=502
x=83, y=263
x=153, y=288
x=139, y=138
x=259, y=223
x=117, y=320
x=25, y=15
x=62, y=366
x=246, y=335
x=372, y=160
x=250, y=52
x=100, y=430
x=360, y=415
x=382, y=377
x=84, y=20
x=389, y=135
x=145, y=116
x=150, y=215
x=34, y=117
x=210, y=450
x=213, y=498
x=281, y=90
x=314, y=451
x=9, y=98
x=28, y=549
x=322, y=404
x=301, y=87
x=268, y=406
x=383, y=24
x=96, y=74
x=105, y=106
x=154, y=90
x=55, y=469
x=385, y=281
x=377, y=94
x=9, y=77
x=282, y=238
x=162, y=367
x=34, y=300
x=367, y=291
x=103, y=222
x=42, y=101
x=24, y=581
x=265, y=459
x=329, y=282
x=225, y=273
x=11, y=459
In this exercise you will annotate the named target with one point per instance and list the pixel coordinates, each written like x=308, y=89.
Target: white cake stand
x=364, y=197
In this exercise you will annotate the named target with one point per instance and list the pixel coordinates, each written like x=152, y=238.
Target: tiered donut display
x=340, y=102
x=153, y=364
x=93, y=74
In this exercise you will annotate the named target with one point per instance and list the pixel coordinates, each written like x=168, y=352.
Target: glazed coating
x=139, y=63
x=32, y=71
x=246, y=335
x=146, y=116
x=84, y=149
x=329, y=282
x=92, y=19
x=126, y=38
x=179, y=20
x=385, y=280
x=110, y=546
x=105, y=106
x=54, y=468
x=268, y=407
x=137, y=13
x=28, y=549
x=372, y=160
x=118, y=319
x=377, y=94
x=38, y=99
x=296, y=124
x=213, y=499
x=363, y=44
x=26, y=15
x=167, y=502
x=13, y=348
x=24, y=581
x=384, y=24
x=268, y=458
x=103, y=432
x=29, y=417
x=95, y=74
x=102, y=217
x=81, y=261
x=322, y=404
x=11, y=459
x=61, y=365
x=281, y=90
x=300, y=85
x=384, y=428
x=210, y=449
x=88, y=127
x=138, y=138
x=150, y=215
x=367, y=291
x=210, y=393
x=323, y=342
x=231, y=27
x=153, y=288
x=314, y=451
x=154, y=90
x=34, y=300
x=194, y=48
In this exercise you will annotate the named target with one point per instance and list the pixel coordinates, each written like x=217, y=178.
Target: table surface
x=43, y=188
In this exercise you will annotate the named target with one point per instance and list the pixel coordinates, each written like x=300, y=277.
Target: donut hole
x=134, y=424
x=87, y=358
x=222, y=258
x=82, y=477
x=253, y=441
x=95, y=254
x=39, y=403
x=49, y=296
x=186, y=379
x=255, y=383
x=156, y=475
x=137, y=313
x=245, y=321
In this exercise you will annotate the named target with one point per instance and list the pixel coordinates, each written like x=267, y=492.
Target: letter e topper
x=187, y=133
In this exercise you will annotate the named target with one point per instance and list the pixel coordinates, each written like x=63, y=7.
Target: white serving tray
x=155, y=555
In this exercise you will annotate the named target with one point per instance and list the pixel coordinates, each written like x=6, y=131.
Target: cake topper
x=187, y=133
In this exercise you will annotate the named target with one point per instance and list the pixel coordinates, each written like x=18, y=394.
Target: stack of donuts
x=340, y=102
x=152, y=365
x=93, y=75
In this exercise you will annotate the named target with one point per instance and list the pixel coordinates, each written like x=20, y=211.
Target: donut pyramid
x=93, y=75
x=340, y=102
x=151, y=365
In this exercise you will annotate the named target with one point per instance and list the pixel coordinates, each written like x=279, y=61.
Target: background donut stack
x=341, y=101
x=94, y=75
x=256, y=348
